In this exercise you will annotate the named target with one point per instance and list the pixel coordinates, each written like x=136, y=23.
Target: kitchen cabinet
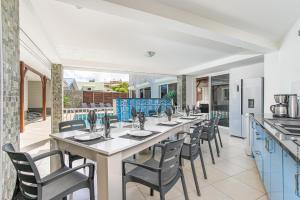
x=268, y=157
x=290, y=178
x=258, y=151
x=276, y=170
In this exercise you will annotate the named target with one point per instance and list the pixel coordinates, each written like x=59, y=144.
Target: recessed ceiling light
x=78, y=7
x=150, y=53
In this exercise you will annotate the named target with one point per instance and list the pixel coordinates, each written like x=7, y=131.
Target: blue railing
x=141, y=105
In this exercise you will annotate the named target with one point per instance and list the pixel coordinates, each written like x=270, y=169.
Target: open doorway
x=202, y=94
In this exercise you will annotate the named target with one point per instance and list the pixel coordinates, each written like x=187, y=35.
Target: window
x=147, y=92
x=141, y=93
x=163, y=90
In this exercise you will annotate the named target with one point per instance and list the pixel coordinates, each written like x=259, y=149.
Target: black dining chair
x=72, y=126
x=191, y=151
x=209, y=135
x=159, y=175
x=217, y=129
x=56, y=185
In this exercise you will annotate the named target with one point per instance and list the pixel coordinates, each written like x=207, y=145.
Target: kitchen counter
x=287, y=144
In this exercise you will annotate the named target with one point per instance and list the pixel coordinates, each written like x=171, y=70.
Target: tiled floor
x=35, y=132
x=233, y=177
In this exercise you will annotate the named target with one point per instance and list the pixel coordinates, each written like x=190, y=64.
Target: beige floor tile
x=265, y=197
x=209, y=193
x=228, y=167
x=237, y=190
x=251, y=178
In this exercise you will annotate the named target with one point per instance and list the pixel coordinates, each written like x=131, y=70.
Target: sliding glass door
x=220, y=98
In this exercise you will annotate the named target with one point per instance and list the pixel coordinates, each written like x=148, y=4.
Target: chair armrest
x=48, y=154
x=157, y=145
x=69, y=171
x=153, y=169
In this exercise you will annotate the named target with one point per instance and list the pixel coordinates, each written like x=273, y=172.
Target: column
x=9, y=91
x=57, y=96
x=181, y=91
x=23, y=71
x=44, y=90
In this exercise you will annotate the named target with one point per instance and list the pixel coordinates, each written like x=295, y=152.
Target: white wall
x=190, y=90
x=155, y=92
x=35, y=94
x=282, y=68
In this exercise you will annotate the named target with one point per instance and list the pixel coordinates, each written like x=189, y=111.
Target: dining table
x=108, y=153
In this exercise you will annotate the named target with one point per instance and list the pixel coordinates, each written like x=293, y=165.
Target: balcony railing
x=69, y=113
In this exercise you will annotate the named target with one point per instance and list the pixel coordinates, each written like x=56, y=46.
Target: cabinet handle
x=267, y=144
x=297, y=184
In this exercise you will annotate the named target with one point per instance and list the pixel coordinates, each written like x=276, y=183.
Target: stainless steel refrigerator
x=247, y=96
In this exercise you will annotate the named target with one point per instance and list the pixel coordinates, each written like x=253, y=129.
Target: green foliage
x=171, y=95
x=67, y=101
x=122, y=87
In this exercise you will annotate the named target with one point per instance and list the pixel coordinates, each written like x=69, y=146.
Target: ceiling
x=268, y=18
x=89, y=38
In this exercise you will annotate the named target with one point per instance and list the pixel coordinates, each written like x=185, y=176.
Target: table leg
x=109, y=177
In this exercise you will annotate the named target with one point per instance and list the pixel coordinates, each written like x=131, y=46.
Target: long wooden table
x=108, y=155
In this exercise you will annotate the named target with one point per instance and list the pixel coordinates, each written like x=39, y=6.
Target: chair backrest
x=217, y=120
x=71, y=125
x=195, y=140
x=170, y=161
x=27, y=173
x=93, y=105
x=84, y=105
x=108, y=105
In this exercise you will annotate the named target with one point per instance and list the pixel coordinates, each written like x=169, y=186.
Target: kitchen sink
x=289, y=127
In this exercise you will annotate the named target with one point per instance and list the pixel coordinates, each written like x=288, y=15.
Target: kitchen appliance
x=281, y=98
x=279, y=110
x=246, y=96
x=293, y=106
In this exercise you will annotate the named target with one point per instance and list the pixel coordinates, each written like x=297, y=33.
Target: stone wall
x=57, y=96
x=181, y=91
x=9, y=92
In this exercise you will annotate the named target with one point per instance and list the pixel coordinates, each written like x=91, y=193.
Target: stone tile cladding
x=57, y=96
x=9, y=94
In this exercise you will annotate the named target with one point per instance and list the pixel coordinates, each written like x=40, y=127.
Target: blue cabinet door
x=258, y=152
x=290, y=170
x=276, y=171
x=267, y=163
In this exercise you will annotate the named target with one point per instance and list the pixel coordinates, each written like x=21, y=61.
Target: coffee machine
x=286, y=106
x=280, y=109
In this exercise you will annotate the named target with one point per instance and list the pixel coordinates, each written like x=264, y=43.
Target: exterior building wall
x=9, y=92
x=35, y=94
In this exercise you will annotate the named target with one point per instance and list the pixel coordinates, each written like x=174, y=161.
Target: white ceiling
x=268, y=18
x=98, y=39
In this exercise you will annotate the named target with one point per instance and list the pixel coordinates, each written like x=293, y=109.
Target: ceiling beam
x=160, y=15
x=217, y=64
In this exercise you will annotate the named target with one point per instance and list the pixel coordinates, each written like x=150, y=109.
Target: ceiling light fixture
x=78, y=7
x=150, y=54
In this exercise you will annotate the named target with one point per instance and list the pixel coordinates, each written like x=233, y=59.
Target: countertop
x=288, y=145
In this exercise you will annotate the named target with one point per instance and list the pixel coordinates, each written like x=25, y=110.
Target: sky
x=85, y=76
